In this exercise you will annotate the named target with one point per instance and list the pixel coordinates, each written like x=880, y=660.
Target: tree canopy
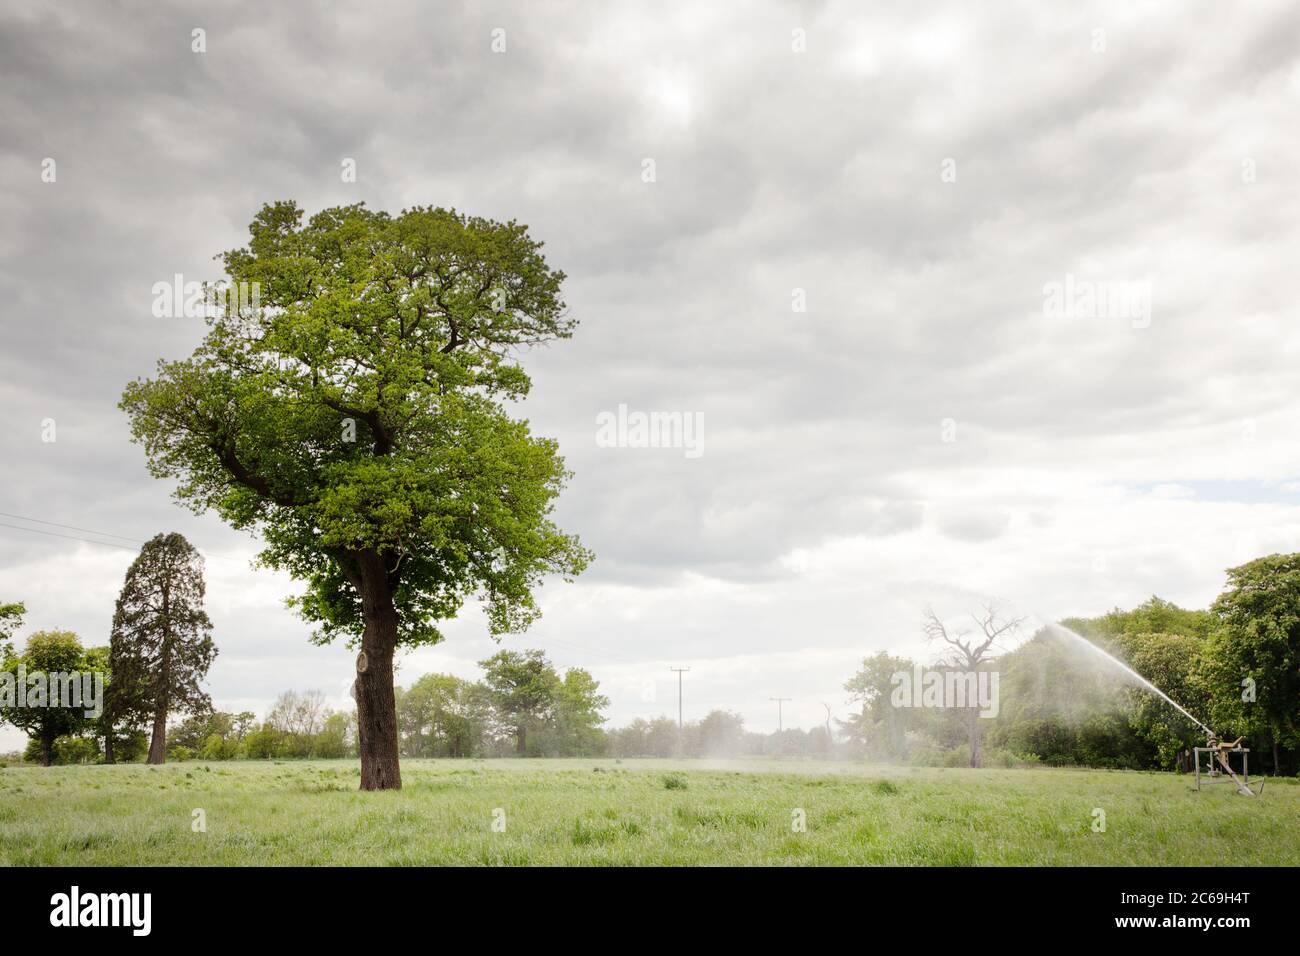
x=11, y=618
x=1254, y=663
x=45, y=719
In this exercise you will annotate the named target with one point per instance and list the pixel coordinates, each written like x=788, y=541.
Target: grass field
x=633, y=812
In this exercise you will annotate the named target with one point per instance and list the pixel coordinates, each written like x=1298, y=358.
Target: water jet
x=1217, y=750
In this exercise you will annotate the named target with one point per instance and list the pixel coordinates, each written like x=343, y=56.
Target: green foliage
x=129, y=746
x=1064, y=708
x=334, y=738
x=217, y=747
x=260, y=744
x=298, y=726
x=1170, y=661
x=1155, y=616
x=66, y=750
x=878, y=728
x=198, y=729
x=1057, y=706
x=69, y=750
x=1256, y=651
x=354, y=415
x=11, y=618
x=576, y=717
x=721, y=733
x=439, y=716
x=161, y=645
x=648, y=738
x=523, y=688
x=443, y=716
x=46, y=652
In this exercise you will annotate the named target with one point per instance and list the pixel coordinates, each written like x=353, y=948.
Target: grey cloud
x=974, y=525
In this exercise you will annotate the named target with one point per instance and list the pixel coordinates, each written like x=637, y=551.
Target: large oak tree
x=352, y=413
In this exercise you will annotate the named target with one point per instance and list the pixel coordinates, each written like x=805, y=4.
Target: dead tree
x=970, y=650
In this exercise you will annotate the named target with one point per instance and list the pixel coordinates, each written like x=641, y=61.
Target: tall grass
x=634, y=812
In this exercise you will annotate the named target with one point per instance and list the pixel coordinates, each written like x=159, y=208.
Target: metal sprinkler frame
x=1218, y=758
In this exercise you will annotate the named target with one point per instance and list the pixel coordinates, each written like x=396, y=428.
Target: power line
x=70, y=537
x=134, y=546
x=69, y=527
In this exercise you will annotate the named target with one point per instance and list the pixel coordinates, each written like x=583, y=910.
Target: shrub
x=260, y=744
x=217, y=747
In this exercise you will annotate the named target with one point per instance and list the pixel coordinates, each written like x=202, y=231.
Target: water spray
x=1217, y=750
x=1080, y=639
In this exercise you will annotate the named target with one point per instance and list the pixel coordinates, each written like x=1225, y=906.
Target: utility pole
x=779, y=702
x=679, y=671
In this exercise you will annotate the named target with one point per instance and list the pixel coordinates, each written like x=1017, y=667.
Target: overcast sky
x=927, y=430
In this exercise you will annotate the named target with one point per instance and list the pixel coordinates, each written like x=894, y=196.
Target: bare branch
x=973, y=652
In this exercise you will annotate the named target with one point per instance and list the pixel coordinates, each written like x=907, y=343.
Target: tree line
x=159, y=652
x=1236, y=666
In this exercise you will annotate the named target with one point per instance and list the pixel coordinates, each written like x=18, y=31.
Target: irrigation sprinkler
x=1217, y=752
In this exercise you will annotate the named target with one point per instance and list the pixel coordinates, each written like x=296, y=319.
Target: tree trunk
x=376, y=704
x=1275, y=770
x=158, y=742
x=47, y=749
x=108, y=746
x=521, y=740
x=974, y=721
